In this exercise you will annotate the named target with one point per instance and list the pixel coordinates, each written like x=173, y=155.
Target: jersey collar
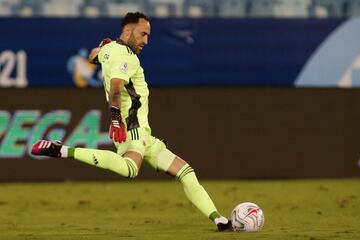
x=119, y=41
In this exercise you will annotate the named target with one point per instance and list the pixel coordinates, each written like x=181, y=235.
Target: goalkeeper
x=127, y=94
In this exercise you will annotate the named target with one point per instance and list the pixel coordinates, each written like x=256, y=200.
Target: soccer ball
x=247, y=217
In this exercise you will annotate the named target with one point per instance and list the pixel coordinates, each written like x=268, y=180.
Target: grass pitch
x=294, y=209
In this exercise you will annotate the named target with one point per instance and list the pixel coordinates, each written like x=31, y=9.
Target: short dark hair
x=133, y=17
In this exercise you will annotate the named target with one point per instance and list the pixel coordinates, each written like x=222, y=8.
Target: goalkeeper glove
x=104, y=42
x=101, y=44
x=117, y=130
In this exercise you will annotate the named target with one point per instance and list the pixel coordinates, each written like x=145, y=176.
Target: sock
x=214, y=215
x=196, y=193
x=221, y=219
x=64, y=151
x=124, y=166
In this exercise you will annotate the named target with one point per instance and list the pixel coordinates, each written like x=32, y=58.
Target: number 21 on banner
x=9, y=62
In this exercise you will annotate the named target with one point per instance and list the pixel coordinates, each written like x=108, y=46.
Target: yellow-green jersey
x=119, y=61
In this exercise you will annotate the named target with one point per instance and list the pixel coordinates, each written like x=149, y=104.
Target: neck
x=119, y=40
x=122, y=42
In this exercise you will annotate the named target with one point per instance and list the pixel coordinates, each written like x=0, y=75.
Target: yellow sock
x=124, y=166
x=195, y=192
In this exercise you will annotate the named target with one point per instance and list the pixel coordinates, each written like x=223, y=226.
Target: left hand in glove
x=117, y=130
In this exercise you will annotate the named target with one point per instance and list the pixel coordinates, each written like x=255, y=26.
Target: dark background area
x=222, y=132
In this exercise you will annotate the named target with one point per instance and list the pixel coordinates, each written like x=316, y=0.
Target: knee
x=177, y=166
x=185, y=171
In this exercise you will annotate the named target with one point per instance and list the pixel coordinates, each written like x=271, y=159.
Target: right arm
x=116, y=86
x=117, y=128
x=93, y=56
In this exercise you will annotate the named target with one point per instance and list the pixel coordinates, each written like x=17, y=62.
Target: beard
x=132, y=44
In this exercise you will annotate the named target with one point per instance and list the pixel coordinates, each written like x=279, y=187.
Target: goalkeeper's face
x=139, y=35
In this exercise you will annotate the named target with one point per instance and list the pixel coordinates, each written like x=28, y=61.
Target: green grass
x=294, y=209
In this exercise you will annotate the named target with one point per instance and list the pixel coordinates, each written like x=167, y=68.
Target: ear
x=128, y=30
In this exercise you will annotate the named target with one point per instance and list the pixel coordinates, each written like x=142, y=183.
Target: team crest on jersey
x=124, y=68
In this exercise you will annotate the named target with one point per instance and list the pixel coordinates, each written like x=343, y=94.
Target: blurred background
x=239, y=88
x=182, y=8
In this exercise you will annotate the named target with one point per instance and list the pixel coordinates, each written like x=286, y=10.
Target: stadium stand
x=181, y=8
x=354, y=8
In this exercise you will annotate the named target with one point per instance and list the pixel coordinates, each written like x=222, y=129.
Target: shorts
x=154, y=151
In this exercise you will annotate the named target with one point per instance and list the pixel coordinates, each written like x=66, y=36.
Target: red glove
x=117, y=130
x=104, y=42
x=93, y=57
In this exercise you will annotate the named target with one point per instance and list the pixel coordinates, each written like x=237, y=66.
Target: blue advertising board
x=52, y=52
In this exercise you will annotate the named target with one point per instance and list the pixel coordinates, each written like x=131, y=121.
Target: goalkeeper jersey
x=119, y=61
